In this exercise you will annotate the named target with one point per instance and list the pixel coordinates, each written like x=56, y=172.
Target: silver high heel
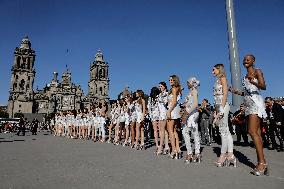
x=188, y=158
x=257, y=172
x=232, y=160
x=197, y=158
x=222, y=163
x=166, y=151
x=178, y=155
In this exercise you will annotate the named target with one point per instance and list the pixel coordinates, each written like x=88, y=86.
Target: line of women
x=169, y=114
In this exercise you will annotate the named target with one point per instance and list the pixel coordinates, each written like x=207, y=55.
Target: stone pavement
x=45, y=161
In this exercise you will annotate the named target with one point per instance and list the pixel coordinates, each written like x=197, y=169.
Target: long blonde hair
x=221, y=68
x=175, y=78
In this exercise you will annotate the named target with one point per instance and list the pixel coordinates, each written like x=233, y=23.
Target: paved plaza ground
x=45, y=161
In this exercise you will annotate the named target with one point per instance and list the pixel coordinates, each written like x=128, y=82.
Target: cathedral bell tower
x=99, y=80
x=22, y=79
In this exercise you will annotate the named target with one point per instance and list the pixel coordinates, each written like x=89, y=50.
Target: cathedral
x=58, y=95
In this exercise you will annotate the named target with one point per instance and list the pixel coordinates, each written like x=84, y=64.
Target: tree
x=4, y=114
x=18, y=115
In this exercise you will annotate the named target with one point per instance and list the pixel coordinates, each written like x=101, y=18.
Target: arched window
x=18, y=61
x=103, y=73
x=100, y=73
x=22, y=84
x=17, y=77
x=101, y=90
x=28, y=63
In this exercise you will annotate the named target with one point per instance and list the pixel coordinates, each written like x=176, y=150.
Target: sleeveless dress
x=153, y=109
x=175, y=114
x=162, y=105
x=253, y=101
x=138, y=111
x=218, y=96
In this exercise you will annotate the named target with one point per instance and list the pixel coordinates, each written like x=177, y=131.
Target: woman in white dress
x=222, y=109
x=173, y=115
x=113, y=121
x=162, y=105
x=140, y=107
x=133, y=118
x=153, y=111
x=127, y=120
x=253, y=82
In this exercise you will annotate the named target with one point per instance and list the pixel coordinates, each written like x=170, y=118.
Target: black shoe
x=237, y=143
x=271, y=148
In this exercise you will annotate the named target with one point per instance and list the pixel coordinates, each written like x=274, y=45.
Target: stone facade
x=99, y=80
x=22, y=79
x=57, y=95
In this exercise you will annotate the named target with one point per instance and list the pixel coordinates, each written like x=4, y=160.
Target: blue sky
x=143, y=41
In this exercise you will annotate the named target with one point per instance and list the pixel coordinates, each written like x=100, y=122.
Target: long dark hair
x=164, y=84
x=154, y=93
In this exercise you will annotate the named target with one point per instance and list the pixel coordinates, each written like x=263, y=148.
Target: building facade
x=58, y=95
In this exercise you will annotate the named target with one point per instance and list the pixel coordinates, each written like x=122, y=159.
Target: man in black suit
x=34, y=126
x=22, y=126
x=275, y=118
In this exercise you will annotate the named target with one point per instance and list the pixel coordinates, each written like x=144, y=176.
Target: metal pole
x=234, y=54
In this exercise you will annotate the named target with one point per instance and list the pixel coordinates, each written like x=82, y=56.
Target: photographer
x=275, y=121
x=204, y=114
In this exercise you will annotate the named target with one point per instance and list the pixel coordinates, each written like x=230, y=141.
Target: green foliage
x=4, y=114
x=18, y=115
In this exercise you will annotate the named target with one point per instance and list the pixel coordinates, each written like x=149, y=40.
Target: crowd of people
x=174, y=120
x=22, y=125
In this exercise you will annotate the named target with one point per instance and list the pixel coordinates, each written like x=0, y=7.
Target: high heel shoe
x=173, y=155
x=197, y=158
x=142, y=147
x=136, y=146
x=159, y=152
x=188, y=158
x=166, y=151
x=221, y=163
x=258, y=172
x=232, y=160
x=178, y=155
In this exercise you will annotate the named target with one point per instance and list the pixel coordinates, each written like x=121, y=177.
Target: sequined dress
x=253, y=101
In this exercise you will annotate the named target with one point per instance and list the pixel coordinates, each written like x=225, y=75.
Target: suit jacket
x=278, y=113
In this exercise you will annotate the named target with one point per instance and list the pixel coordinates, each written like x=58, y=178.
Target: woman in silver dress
x=140, y=107
x=162, y=105
x=173, y=115
x=253, y=82
x=222, y=109
x=189, y=121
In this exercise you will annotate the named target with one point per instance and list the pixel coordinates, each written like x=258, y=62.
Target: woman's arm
x=261, y=83
x=143, y=108
x=225, y=90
